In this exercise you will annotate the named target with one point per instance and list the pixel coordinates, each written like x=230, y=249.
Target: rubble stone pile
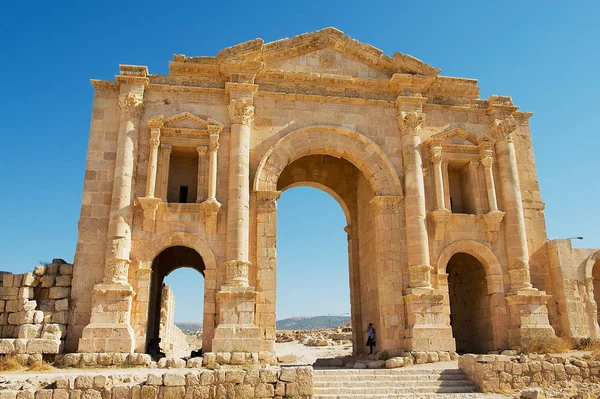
x=324, y=337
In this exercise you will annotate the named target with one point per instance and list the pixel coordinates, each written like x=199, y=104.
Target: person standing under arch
x=371, y=338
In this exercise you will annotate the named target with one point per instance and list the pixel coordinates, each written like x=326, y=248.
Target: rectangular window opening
x=183, y=194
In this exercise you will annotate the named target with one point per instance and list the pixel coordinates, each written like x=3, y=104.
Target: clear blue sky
x=544, y=54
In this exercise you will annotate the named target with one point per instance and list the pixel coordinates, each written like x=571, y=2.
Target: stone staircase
x=389, y=383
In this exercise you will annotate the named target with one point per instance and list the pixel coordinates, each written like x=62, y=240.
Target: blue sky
x=544, y=54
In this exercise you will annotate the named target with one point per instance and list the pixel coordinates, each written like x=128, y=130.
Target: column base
x=528, y=317
x=427, y=330
x=109, y=329
x=236, y=331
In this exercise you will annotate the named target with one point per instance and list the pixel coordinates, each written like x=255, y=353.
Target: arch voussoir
x=335, y=141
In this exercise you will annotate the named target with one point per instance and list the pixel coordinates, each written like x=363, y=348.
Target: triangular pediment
x=329, y=49
x=186, y=120
x=459, y=138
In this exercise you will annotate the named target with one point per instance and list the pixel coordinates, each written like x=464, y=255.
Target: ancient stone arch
x=590, y=262
x=181, y=239
x=329, y=191
x=494, y=281
x=336, y=141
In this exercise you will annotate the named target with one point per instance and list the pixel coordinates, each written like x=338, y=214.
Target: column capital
x=487, y=161
x=409, y=122
x=241, y=111
x=267, y=200
x=473, y=164
x=202, y=150
x=436, y=153
x=166, y=147
x=154, y=137
x=213, y=144
x=214, y=127
x=386, y=204
x=502, y=128
x=156, y=122
x=131, y=105
x=351, y=231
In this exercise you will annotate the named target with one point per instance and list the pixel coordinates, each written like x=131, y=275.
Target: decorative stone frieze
x=384, y=204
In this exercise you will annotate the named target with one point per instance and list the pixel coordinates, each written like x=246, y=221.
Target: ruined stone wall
x=498, y=373
x=34, y=309
x=172, y=338
x=296, y=382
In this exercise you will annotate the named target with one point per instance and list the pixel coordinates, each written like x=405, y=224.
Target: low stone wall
x=34, y=309
x=296, y=382
x=498, y=373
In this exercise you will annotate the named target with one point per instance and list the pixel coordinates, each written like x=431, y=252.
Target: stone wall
x=34, y=309
x=264, y=383
x=172, y=338
x=499, y=373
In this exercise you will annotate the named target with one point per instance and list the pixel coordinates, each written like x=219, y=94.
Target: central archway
x=357, y=173
x=161, y=302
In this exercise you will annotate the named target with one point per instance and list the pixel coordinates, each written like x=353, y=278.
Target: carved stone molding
x=502, y=128
x=436, y=154
x=267, y=200
x=351, y=232
x=116, y=271
x=150, y=206
x=492, y=221
x=487, y=161
x=131, y=105
x=213, y=144
x=419, y=276
x=211, y=209
x=241, y=111
x=409, y=122
x=156, y=122
x=440, y=218
x=386, y=204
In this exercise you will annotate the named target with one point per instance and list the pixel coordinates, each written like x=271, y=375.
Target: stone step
x=401, y=395
x=397, y=371
x=393, y=390
x=393, y=384
x=398, y=377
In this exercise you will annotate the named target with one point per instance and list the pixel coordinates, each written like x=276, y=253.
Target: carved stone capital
x=440, y=218
x=156, y=122
x=237, y=273
x=487, y=161
x=150, y=206
x=211, y=209
x=419, y=276
x=386, y=204
x=154, y=138
x=501, y=128
x=409, y=122
x=351, y=232
x=213, y=144
x=131, y=105
x=241, y=111
x=267, y=200
x=166, y=148
x=116, y=271
x=473, y=165
x=492, y=221
x=202, y=150
x=436, y=154
x=214, y=126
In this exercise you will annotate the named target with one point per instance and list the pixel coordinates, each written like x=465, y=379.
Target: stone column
x=436, y=159
x=155, y=125
x=211, y=205
x=165, y=155
x=446, y=178
x=241, y=113
x=487, y=160
x=202, y=151
x=419, y=268
x=528, y=313
x=109, y=329
x=474, y=178
x=514, y=228
x=236, y=299
x=266, y=274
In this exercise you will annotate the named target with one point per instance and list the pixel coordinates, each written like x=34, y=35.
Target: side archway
x=474, y=265
x=592, y=278
x=186, y=240
x=335, y=141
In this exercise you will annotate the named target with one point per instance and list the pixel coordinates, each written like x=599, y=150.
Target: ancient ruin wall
x=34, y=309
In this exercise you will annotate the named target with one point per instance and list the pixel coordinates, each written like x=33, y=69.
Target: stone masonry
x=172, y=338
x=439, y=189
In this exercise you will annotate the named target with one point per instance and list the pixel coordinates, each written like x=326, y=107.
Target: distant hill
x=293, y=323
x=311, y=323
x=189, y=327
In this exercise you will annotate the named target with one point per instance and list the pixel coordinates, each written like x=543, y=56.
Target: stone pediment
x=459, y=139
x=328, y=49
x=186, y=120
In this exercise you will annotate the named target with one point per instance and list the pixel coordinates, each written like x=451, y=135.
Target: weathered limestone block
x=23, y=317
x=394, y=362
x=7, y=346
x=46, y=346
x=59, y=292
x=39, y=270
x=61, y=305
x=29, y=331
x=66, y=269
x=47, y=281
x=288, y=374
x=60, y=317
x=263, y=390
x=269, y=375
x=84, y=382
x=63, y=281
x=174, y=379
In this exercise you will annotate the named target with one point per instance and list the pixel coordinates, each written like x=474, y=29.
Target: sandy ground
x=308, y=354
